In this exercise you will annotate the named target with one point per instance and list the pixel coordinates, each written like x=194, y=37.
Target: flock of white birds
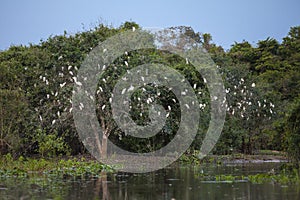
x=68, y=74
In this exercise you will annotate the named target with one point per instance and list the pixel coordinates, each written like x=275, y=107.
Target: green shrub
x=50, y=144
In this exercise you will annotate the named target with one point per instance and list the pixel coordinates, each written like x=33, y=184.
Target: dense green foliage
x=262, y=85
x=26, y=167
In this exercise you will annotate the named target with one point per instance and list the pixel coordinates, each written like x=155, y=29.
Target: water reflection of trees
x=176, y=183
x=102, y=187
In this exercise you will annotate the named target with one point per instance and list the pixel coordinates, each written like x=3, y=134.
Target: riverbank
x=242, y=158
x=87, y=165
x=264, y=156
x=59, y=166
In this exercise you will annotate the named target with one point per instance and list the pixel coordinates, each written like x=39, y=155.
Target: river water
x=173, y=183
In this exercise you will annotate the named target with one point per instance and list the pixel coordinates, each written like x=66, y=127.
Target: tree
x=249, y=110
x=36, y=87
x=293, y=130
x=13, y=115
x=243, y=52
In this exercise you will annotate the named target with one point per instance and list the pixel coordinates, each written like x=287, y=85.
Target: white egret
x=78, y=83
x=81, y=104
x=130, y=88
x=186, y=61
x=62, y=84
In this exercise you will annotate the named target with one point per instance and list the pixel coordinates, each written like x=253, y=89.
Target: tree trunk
x=104, y=146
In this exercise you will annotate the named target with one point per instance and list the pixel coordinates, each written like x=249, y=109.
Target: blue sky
x=28, y=21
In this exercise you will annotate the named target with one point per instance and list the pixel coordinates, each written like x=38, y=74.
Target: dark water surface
x=170, y=183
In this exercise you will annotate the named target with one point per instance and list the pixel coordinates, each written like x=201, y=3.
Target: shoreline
x=243, y=159
x=85, y=163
